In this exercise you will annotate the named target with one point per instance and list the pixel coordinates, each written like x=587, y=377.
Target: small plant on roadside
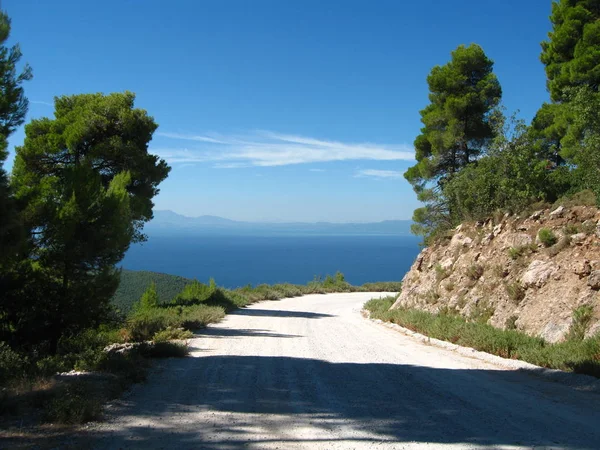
x=166, y=349
x=171, y=333
x=76, y=404
x=580, y=322
x=580, y=356
x=547, y=237
x=481, y=312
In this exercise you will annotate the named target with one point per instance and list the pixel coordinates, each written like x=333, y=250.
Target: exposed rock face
x=538, y=273
x=498, y=268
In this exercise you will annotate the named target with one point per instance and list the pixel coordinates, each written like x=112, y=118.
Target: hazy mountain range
x=169, y=222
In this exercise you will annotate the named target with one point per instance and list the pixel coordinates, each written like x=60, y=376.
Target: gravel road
x=310, y=372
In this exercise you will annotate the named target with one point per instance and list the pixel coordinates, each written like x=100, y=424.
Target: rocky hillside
x=529, y=273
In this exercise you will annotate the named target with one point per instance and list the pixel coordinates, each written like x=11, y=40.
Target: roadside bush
x=12, y=364
x=166, y=349
x=336, y=283
x=75, y=404
x=580, y=322
x=382, y=286
x=54, y=364
x=378, y=306
x=194, y=293
x=143, y=325
x=547, y=237
x=577, y=355
x=170, y=333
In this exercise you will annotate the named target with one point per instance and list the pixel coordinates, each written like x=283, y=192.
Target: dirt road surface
x=311, y=373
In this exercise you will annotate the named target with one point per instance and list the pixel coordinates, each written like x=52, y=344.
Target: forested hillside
x=133, y=284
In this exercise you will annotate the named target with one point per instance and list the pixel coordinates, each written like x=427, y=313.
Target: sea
x=235, y=261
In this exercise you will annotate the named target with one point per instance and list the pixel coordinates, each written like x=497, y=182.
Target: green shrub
x=382, y=286
x=379, y=305
x=166, y=349
x=482, y=312
x=547, y=237
x=149, y=299
x=195, y=293
x=582, y=356
x=54, y=364
x=198, y=316
x=12, y=364
x=170, y=333
x=515, y=292
x=335, y=283
x=143, y=325
x=571, y=229
x=76, y=404
x=515, y=252
x=580, y=322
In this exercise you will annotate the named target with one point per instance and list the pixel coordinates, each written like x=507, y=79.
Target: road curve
x=310, y=372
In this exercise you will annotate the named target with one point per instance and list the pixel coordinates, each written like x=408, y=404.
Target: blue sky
x=277, y=110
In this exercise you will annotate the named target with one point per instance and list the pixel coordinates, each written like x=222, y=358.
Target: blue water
x=240, y=260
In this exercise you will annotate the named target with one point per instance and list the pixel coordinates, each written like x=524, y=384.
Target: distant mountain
x=168, y=222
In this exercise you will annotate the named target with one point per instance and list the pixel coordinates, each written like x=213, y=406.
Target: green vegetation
x=575, y=354
x=134, y=283
x=473, y=162
x=547, y=237
x=458, y=127
x=176, y=290
x=515, y=292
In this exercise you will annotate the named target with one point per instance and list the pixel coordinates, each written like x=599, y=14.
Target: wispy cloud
x=379, y=173
x=266, y=149
x=40, y=102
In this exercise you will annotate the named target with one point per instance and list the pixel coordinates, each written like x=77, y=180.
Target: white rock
x=460, y=240
x=498, y=229
x=554, y=332
x=578, y=238
x=538, y=273
x=536, y=215
x=558, y=212
x=447, y=263
x=519, y=240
